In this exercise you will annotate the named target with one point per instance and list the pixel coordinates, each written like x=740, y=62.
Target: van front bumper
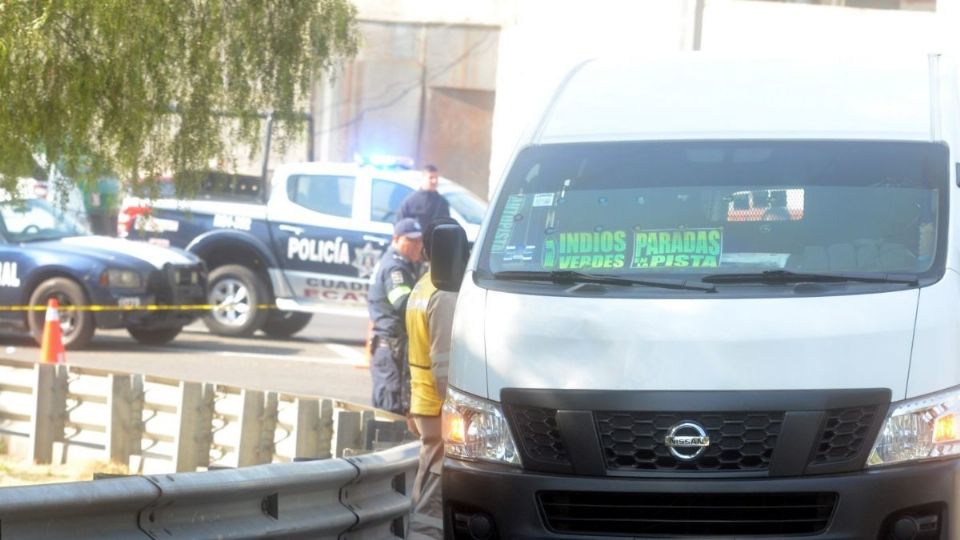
x=868, y=504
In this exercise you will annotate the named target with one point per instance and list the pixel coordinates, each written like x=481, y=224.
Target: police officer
x=426, y=204
x=387, y=300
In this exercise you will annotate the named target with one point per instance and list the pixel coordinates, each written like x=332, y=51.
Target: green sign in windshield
x=698, y=248
x=677, y=248
x=593, y=250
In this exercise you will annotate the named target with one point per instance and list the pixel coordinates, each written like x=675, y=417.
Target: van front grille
x=538, y=434
x=739, y=441
x=726, y=514
x=844, y=433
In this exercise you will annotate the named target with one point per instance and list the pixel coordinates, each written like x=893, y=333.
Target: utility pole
x=698, y=24
x=423, y=93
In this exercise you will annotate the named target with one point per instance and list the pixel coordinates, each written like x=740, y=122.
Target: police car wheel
x=154, y=336
x=237, y=293
x=77, y=327
x=283, y=324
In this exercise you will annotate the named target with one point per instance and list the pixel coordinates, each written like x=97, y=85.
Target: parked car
x=45, y=253
x=310, y=247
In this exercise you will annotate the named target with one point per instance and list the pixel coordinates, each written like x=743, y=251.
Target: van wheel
x=283, y=324
x=238, y=295
x=154, y=336
x=77, y=327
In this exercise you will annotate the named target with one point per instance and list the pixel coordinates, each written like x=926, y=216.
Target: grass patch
x=18, y=473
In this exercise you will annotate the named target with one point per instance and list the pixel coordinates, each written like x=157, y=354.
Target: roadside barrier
x=62, y=413
x=217, y=461
x=357, y=497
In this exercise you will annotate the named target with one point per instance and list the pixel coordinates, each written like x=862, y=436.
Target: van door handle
x=290, y=228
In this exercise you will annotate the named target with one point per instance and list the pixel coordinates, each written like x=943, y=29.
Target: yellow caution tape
x=98, y=308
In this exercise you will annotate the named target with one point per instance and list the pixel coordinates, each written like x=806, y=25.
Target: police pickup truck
x=311, y=248
x=45, y=253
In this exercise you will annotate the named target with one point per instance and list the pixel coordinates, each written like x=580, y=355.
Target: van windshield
x=692, y=209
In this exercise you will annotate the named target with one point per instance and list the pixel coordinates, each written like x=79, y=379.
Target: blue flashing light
x=382, y=161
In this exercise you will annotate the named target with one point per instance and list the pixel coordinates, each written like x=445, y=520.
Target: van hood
x=824, y=342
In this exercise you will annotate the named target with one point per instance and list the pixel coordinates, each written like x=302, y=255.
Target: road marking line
x=338, y=361
x=347, y=352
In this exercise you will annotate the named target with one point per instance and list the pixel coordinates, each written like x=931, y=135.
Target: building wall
x=419, y=89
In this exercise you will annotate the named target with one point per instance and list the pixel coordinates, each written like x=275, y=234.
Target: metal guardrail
x=354, y=497
x=61, y=413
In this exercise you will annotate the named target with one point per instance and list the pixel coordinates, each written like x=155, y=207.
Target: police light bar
x=382, y=161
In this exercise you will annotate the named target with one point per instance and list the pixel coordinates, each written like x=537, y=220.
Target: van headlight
x=927, y=427
x=476, y=429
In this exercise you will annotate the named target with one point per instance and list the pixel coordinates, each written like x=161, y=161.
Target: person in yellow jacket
x=429, y=321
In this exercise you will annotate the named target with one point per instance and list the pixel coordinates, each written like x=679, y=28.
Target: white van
x=637, y=354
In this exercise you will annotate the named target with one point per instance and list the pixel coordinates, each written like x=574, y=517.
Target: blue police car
x=46, y=254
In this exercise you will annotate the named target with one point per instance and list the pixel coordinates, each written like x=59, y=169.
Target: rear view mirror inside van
x=448, y=261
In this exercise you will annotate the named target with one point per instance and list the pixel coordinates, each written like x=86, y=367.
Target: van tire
x=154, y=336
x=78, y=326
x=244, y=315
x=284, y=324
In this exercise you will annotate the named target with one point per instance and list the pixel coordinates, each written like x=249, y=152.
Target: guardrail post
x=124, y=425
x=324, y=450
x=314, y=428
x=367, y=420
x=194, y=424
x=268, y=428
x=49, y=410
x=258, y=421
x=347, y=432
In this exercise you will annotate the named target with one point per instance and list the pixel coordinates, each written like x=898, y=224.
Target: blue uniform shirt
x=387, y=299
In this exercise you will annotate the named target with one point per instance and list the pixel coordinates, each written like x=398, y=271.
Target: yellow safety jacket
x=429, y=321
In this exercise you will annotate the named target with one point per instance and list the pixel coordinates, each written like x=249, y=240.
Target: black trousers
x=391, y=375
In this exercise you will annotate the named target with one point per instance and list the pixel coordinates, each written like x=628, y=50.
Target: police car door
x=386, y=195
x=319, y=241
x=14, y=264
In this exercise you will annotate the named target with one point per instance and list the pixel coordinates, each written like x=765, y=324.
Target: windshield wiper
x=569, y=277
x=783, y=277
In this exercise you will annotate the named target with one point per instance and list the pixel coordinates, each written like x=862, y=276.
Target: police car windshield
x=467, y=205
x=692, y=209
x=35, y=220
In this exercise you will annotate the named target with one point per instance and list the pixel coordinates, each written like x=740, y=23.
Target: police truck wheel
x=237, y=293
x=283, y=324
x=154, y=336
x=77, y=327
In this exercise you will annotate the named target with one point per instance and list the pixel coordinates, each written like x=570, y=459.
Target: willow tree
x=144, y=87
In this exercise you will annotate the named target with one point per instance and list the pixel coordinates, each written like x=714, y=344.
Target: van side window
x=385, y=200
x=332, y=195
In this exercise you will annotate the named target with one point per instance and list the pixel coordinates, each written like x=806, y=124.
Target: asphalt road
x=325, y=359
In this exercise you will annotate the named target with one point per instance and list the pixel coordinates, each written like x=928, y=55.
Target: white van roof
x=702, y=96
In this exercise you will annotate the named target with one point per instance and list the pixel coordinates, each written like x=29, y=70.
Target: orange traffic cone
x=51, y=346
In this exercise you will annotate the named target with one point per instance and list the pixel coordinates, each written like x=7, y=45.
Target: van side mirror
x=448, y=259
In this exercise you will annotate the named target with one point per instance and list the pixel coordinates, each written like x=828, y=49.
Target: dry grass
x=19, y=473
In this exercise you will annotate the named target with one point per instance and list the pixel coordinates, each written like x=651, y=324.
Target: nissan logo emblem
x=687, y=440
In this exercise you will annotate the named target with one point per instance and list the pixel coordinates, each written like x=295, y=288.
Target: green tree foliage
x=93, y=84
